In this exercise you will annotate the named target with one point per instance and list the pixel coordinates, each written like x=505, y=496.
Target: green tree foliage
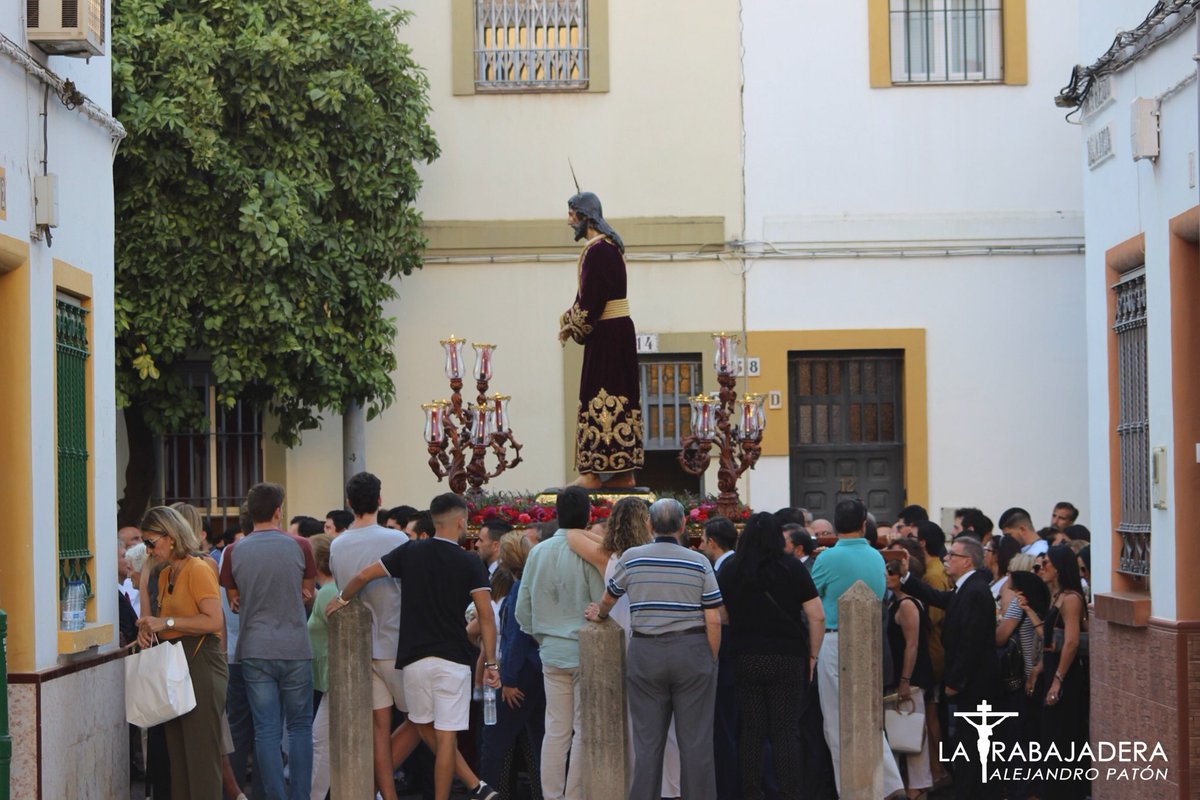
x=264, y=203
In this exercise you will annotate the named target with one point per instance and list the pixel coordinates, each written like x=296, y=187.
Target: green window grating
x=73, y=501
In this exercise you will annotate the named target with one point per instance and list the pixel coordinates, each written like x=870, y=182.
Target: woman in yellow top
x=189, y=607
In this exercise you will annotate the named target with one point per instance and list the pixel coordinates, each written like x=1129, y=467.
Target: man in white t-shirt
x=1017, y=523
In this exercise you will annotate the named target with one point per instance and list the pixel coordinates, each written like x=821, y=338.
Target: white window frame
x=944, y=23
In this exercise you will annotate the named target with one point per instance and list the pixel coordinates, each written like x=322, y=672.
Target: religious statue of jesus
x=608, y=437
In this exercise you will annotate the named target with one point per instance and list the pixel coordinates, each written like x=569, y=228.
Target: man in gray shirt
x=268, y=576
x=675, y=613
x=363, y=543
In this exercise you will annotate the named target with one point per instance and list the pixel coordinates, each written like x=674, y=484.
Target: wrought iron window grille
x=1133, y=425
x=74, y=502
x=946, y=41
x=213, y=468
x=668, y=384
x=531, y=45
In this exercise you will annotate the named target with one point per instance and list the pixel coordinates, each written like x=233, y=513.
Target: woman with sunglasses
x=189, y=612
x=1063, y=680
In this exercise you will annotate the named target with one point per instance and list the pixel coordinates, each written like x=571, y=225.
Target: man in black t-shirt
x=437, y=580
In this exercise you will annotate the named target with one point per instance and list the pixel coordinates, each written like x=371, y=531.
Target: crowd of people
x=732, y=670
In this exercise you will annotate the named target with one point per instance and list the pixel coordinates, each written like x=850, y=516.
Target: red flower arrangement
x=523, y=510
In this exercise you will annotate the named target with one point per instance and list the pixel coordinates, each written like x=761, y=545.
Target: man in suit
x=969, y=636
x=718, y=542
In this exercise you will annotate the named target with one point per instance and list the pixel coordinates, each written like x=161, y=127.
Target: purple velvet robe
x=608, y=438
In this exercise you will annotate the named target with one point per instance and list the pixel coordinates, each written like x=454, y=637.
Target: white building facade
x=914, y=261
x=1138, y=104
x=66, y=687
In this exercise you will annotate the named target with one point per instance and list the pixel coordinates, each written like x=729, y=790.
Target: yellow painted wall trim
x=598, y=80
x=72, y=280
x=77, y=282
x=1014, y=35
x=1016, y=47
x=462, y=45
x=94, y=634
x=879, y=43
x=16, y=454
x=274, y=454
x=773, y=347
x=13, y=253
x=537, y=236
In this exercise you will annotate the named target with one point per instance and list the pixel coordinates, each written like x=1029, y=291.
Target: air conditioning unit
x=66, y=27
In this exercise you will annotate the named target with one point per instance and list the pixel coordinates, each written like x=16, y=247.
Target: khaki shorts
x=387, y=685
x=439, y=691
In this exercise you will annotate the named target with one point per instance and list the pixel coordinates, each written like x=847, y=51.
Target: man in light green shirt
x=556, y=587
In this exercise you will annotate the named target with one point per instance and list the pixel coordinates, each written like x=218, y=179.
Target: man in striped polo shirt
x=674, y=606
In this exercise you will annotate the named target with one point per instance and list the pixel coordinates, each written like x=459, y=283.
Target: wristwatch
x=171, y=623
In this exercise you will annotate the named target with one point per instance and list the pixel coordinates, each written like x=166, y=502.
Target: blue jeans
x=274, y=686
x=241, y=727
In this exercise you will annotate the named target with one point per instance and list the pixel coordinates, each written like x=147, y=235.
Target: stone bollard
x=351, y=755
x=602, y=696
x=860, y=697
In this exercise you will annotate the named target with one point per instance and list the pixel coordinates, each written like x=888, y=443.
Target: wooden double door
x=846, y=430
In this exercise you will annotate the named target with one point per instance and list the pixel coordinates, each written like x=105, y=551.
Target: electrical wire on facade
x=70, y=96
x=773, y=251
x=1127, y=47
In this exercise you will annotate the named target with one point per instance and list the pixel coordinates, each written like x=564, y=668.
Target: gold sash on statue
x=615, y=309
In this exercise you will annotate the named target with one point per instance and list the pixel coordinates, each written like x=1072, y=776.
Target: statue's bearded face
x=578, y=223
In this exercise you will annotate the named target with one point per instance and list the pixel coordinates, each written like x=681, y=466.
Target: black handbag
x=1012, y=665
x=1081, y=653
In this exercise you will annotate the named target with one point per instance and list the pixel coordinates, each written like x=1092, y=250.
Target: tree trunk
x=139, y=473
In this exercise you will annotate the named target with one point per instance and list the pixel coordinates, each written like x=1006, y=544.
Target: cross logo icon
x=984, y=712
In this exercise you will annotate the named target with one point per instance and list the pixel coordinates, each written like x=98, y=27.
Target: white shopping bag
x=158, y=686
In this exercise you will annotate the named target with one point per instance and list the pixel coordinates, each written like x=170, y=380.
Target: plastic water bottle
x=489, y=705
x=74, y=606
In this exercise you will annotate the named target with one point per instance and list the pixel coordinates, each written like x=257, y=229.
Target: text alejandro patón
x=1030, y=760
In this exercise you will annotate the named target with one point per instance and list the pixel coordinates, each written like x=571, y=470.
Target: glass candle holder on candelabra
x=454, y=357
x=483, y=360
x=725, y=353
x=435, y=421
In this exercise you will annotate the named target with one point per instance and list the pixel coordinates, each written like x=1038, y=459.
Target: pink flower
x=524, y=518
